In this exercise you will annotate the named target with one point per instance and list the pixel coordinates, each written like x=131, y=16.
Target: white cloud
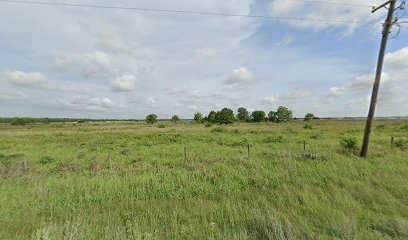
x=287, y=96
x=240, y=76
x=397, y=64
x=86, y=103
x=285, y=40
x=125, y=83
x=113, y=43
x=332, y=12
x=12, y=96
x=398, y=59
x=360, y=84
x=37, y=80
x=97, y=65
x=269, y=100
x=32, y=80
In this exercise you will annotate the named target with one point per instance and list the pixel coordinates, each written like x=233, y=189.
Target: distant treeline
x=26, y=120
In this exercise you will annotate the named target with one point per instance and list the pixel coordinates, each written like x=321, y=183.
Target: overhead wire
x=177, y=11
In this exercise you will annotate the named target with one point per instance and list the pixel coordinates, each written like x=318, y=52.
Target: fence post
x=249, y=152
x=392, y=142
x=304, y=146
x=24, y=164
x=110, y=161
x=185, y=154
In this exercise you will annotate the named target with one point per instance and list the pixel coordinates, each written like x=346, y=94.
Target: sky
x=124, y=64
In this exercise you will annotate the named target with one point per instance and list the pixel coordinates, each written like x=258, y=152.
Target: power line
x=334, y=3
x=182, y=11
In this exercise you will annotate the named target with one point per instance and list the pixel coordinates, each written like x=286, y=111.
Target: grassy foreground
x=131, y=181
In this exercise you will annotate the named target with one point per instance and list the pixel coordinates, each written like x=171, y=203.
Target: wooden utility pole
x=386, y=31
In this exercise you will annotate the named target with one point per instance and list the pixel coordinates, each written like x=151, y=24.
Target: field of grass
x=132, y=181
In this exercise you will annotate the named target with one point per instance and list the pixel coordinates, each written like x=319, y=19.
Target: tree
x=151, y=118
x=198, y=117
x=283, y=114
x=258, y=116
x=272, y=116
x=175, y=118
x=243, y=114
x=212, y=117
x=225, y=116
x=309, y=117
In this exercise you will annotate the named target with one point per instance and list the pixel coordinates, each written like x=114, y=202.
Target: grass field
x=131, y=181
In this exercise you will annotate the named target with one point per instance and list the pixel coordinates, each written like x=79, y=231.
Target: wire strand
x=182, y=11
x=334, y=3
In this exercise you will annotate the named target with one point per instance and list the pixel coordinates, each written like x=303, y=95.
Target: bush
x=275, y=139
x=219, y=130
x=161, y=126
x=349, y=144
x=208, y=125
x=18, y=121
x=175, y=118
x=308, y=126
x=151, y=118
x=401, y=143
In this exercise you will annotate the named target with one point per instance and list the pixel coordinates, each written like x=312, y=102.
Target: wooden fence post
x=24, y=164
x=304, y=146
x=110, y=161
x=392, y=142
x=249, y=152
x=185, y=154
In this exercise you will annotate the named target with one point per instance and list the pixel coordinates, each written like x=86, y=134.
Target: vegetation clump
x=349, y=144
x=219, y=130
x=175, y=118
x=151, y=118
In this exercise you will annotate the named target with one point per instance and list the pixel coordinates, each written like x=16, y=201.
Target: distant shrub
x=175, y=118
x=401, y=143
x=219, y=130
x=314, y=136
x=349, y=144
x=382, y=126
x=236, y=131
x=151, y=118
x=308, y=126
x=405, y=127
x=18, y=121
x=46, y=159
x=161, y=126
x=274, y=139
x=208, y=125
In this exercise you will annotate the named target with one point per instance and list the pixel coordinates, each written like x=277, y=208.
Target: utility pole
x=386, y=31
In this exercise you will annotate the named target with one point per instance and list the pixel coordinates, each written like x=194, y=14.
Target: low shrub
x=308, y=126
x=274, y=139
x=349, y=144
x=161, y=126
x=219, y=130
x=401, y=143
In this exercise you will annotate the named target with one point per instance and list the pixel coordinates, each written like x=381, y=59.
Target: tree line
x=227, y=116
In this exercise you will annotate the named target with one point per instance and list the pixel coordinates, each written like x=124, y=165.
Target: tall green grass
x=131, y=181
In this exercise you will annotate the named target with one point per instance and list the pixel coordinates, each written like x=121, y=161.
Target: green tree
x=18, y=121
x=212, y=117
x=243, y=114
x=258, y=116
x=198, y=117
x=309, y=117
x=272, y=116
x=151, y=118
x=283, y=114
x=225, y=116
x=175, y=118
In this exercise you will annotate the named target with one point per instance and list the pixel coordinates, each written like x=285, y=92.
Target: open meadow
x=132, y=180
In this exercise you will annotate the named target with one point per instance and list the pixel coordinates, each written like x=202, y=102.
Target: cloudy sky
x=108, y=63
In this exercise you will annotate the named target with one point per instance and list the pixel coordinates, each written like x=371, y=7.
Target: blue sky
x=103, y=63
